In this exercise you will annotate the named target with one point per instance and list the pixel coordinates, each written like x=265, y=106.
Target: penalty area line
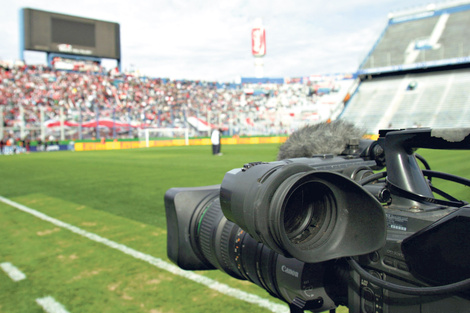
x=50, y=305
x=12, y=271
x=222, y=288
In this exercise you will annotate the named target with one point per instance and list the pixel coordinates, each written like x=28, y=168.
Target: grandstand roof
x=426, y=8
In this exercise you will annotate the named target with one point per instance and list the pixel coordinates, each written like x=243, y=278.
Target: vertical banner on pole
x=258, y=46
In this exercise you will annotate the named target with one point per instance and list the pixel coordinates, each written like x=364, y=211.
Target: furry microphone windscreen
x=323, y=138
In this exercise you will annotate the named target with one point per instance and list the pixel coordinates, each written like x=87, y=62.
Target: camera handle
x=402, y=167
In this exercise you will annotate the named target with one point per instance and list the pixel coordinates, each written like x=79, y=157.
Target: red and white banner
x=258, y=41
x=93, y=123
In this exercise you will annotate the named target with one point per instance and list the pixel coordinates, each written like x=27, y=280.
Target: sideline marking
x=12, y=271
x=222, y=288
x=50, y=305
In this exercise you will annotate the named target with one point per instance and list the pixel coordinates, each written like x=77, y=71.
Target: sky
x=211, y=40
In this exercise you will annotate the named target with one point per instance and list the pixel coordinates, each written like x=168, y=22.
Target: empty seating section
x=392, y=47
x=406, y=112
x=454, y=41
x=400, y=39
x=371, y=101
x=440, y=99
x=411, y=41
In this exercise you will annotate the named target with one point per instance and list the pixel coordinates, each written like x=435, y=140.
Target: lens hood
x=298, y=212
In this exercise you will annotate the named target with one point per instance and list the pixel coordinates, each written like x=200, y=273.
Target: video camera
x=335, y=230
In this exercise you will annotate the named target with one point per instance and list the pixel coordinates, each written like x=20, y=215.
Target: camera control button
x=389, y=262
x=402, y=266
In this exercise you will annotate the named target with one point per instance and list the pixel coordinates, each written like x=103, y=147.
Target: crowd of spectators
x=31, y=94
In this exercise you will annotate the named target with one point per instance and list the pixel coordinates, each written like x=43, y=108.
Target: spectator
x=29, y=92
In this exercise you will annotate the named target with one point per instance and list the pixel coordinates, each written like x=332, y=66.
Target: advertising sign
x=258, y=41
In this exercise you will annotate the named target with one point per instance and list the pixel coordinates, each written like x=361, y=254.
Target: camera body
x=326, y=231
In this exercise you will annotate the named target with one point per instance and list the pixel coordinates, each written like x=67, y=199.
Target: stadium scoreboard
x=66, y=34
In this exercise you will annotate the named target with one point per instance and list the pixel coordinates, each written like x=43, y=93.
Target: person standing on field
x=215, y=140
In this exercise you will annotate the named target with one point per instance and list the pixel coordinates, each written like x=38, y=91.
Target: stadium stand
x=420, y=38
x=454, y=40
x=438, y=99
x=417, y=74
x=391, y=50
x=34, y=96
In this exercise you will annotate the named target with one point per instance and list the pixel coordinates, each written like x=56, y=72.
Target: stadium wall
x=118, y=145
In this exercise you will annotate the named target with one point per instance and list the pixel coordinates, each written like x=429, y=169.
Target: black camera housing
x=325, y=231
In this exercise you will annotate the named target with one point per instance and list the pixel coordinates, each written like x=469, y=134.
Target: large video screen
x=60, y=33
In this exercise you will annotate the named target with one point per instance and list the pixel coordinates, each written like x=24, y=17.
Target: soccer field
x=88, y=230
x=116, y=196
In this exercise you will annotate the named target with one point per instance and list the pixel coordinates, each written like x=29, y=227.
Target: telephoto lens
x=200, y=237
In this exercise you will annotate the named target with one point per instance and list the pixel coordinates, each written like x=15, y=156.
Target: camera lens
x=227, y=247
x=306, y=210
x=212, y=234
x=201, y=237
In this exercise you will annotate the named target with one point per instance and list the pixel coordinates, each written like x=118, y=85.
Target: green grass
x=128, y=183
x=452, y=162
x=90, y=277
x=119, y=195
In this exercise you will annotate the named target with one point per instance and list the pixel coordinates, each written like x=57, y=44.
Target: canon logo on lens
x=289, y=271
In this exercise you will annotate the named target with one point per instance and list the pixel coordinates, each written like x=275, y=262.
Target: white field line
x=14, y=273
x=222, y=288
x=50, y=305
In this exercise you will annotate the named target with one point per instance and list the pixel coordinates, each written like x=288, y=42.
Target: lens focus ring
x=207, y=231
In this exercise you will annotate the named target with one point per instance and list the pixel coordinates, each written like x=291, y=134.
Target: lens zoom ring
x=209, y=224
